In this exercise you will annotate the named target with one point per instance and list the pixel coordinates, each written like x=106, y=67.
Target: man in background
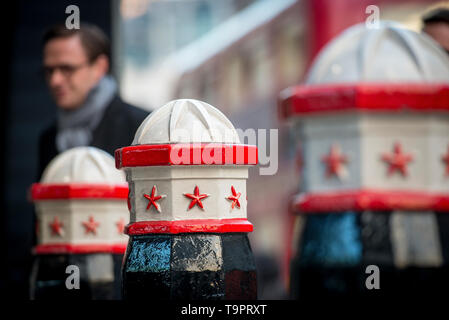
x=90, y=113
x=436, y=25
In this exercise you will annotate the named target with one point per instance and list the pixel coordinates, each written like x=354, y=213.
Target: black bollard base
x=336, y=249
x=189, y=266
x=99, y=277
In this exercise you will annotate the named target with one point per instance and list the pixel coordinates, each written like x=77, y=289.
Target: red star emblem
x=445, y=159
x=56, y=227
x=334, y=161
x=196, y=198
x=397, y=160
x=234, y=198
x=120, y=225
x=91, y=225
x=153, y=198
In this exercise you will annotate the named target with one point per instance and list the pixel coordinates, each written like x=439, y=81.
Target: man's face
x=68, y=72
x=439, y=31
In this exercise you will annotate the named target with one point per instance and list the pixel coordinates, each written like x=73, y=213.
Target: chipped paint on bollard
x=190, y=266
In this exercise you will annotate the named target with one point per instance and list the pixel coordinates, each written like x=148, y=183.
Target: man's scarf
x=75, y=127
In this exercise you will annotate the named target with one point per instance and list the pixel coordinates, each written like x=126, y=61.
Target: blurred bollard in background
x=373, y=122
x=81, y=214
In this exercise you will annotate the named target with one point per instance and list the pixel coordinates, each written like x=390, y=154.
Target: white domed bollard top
x=83, y=165
x=390, y=53
x=81, y=204
x=186, y=121
x=373, y=69
x=187, y=171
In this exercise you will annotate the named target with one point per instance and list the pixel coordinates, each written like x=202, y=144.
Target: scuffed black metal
x=328, y=279
x=189, y=266
x=49, y=275
x=375, y=234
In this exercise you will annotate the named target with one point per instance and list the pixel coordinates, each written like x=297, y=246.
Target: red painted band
x=360, y=200
x=189, y=226
x=185, y=154
x=67, y=248
x=306, y=99
x=40, y=191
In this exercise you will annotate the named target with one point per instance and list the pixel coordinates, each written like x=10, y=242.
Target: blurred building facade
x=153, y=29
x=148, y=31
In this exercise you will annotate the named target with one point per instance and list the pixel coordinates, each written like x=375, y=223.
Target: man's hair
x=439, y=14
x=93, y=39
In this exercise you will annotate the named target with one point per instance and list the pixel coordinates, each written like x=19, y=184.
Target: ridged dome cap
x=83, y=165
x=186, y=121
x=389, y=53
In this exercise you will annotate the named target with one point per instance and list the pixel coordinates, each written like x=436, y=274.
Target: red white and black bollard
x=81, y=213
x=373, y=123
x=188, y=228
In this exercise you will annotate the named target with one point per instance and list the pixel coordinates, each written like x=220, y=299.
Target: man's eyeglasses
x=66, y=69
